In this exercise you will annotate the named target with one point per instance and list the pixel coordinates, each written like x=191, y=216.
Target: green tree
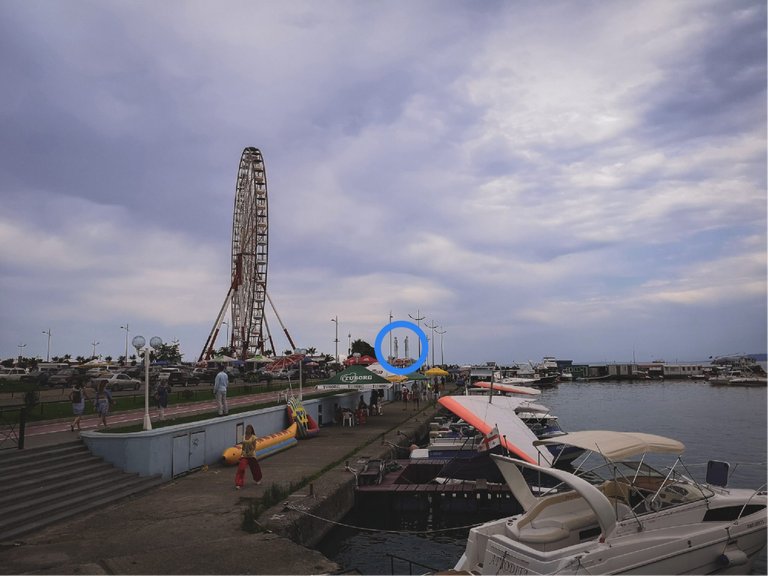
x=363, y=348
x=167, y=353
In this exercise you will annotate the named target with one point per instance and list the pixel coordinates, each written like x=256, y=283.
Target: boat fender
x=732, y=557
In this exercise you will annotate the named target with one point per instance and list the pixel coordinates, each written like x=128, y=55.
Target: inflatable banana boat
x=265, y=445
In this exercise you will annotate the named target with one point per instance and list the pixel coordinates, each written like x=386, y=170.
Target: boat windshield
x=644, y=488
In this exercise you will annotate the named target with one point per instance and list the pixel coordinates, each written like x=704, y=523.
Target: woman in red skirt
x=248, y=459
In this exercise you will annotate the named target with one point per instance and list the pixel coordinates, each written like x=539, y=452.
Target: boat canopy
x=507, y=388
x=617, y=445
x=514, y=435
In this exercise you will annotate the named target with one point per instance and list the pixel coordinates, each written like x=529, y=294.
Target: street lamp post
x=94, y=344
x=335, y=320
x=418, y=319
x=349, y=344
x=432, y=341
x=126, y=341
x=48, y=354
x=301, y=351
x=442, y=359
x=390, y=337
x=138, y=343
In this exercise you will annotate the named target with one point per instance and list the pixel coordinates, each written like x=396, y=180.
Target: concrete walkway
x=192, y=525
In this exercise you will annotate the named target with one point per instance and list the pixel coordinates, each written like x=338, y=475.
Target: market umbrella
x=396, y=378
x=436, y=372
x=416, y=376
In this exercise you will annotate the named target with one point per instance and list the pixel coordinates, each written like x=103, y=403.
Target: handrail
x=411, y=564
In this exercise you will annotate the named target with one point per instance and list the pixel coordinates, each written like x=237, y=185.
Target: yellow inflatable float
x=265, y=445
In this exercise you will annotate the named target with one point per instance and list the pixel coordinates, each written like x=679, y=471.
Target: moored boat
x=623, y=517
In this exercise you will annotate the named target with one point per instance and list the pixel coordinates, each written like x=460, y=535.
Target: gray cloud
x=569, y=179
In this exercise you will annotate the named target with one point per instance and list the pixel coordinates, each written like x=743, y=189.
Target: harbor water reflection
x=721, y=423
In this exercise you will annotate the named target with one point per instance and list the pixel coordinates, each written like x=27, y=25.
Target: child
x=248, y=459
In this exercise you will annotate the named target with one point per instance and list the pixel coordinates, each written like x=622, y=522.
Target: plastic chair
x=348, y=419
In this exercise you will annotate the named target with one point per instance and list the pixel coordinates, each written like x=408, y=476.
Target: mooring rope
x=335, y=523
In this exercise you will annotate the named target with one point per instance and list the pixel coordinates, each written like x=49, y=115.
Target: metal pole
x=335, y=320
x=126, y=342
x=442, y=359
x=147, y=420
x=48, y=355
x=418, y=320
x=433, y=326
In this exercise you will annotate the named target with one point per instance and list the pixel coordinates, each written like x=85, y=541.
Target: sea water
x=714, y=423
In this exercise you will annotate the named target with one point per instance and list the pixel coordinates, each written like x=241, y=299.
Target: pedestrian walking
x=78, y=397
x=248, y=459
x=220, y=390
x=161, y=397
x=416, y=393
x=103, y=401
x=405, y=397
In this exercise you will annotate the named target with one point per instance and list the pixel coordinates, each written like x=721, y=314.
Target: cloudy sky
x=579, y=179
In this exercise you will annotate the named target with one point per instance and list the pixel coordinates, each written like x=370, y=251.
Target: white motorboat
x=623, y=517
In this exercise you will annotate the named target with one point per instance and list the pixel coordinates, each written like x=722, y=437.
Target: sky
x=581, y=179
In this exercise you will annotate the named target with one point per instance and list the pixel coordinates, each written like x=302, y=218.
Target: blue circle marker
x=410, y=326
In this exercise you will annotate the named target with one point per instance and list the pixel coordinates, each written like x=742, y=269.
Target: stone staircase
x=42, y=486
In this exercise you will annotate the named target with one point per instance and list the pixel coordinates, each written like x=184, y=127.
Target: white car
x=12, y=374
x=117, y=382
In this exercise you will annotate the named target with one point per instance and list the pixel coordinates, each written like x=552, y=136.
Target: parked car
x=64, y=378
x=204, y=374
x=117, y=382
x=290, y=373
x=177, y=377
x=12, y=374
x=258, y=376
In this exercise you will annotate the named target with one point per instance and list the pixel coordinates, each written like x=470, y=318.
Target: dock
x=194, y=523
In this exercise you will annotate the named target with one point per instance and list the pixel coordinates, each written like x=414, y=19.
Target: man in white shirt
x=220, y=391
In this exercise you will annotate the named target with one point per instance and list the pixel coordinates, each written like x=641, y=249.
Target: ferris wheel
x=247, y=293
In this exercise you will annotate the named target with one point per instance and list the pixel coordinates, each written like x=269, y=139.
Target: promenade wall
x=171, y=451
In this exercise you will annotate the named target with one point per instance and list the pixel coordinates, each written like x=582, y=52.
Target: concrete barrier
x=171, y=451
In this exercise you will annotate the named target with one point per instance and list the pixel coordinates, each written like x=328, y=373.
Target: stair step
x=74, y=488
x=48, y=478
x=53, y=459
x=87, y=505
x=33, y=511
x=31, y=490
x=12, y=457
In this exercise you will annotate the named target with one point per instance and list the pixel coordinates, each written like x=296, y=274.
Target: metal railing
x=12, y=426
x=411, y=564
